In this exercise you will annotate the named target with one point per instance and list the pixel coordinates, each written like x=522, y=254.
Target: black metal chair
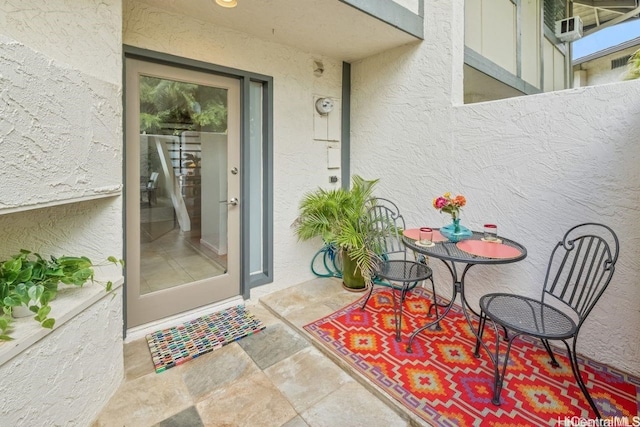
x=580, y=269
x=394, y=268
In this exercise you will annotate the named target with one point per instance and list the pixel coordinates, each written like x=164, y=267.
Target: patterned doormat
x=444, y=384
x=175, y=346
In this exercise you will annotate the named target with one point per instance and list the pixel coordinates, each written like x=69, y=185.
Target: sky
x=608, y=37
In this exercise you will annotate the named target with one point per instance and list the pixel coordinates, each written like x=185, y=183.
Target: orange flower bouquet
x=450, y=205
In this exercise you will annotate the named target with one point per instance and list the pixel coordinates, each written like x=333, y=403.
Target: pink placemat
x=488, y=249
x=413, y=233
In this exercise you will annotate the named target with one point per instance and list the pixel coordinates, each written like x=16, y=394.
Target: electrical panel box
x=327, y=119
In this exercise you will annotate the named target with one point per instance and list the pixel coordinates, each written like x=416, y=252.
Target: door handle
x=232, y=201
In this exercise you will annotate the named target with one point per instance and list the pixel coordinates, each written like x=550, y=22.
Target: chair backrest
x=385, y=225
x=581, y=267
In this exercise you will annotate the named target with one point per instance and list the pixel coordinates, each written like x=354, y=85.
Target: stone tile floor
x=274, y=378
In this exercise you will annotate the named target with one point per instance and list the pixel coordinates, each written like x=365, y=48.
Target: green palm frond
x=337, y=217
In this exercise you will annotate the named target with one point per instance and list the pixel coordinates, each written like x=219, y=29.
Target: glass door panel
x=180, y=149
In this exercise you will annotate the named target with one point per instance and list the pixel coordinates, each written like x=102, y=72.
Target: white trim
x=70, y=302
x=148, y=328
x=98, y=193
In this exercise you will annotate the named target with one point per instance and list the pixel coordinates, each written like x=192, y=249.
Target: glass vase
x=456, y=232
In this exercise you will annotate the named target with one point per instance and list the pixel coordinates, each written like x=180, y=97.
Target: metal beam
x=615, y=21
x=609, y=3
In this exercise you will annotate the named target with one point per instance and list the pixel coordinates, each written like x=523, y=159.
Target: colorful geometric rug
x=444, y=384
x=175, y=346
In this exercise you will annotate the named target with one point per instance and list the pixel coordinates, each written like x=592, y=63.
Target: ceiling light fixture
x=227, y=3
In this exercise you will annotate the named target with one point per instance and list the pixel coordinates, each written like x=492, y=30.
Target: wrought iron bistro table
x=454, y=258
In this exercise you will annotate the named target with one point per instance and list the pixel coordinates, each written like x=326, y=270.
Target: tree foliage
x=169, y=107
x=633, y=70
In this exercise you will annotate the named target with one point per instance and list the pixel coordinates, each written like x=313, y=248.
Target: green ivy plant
x=28, y=279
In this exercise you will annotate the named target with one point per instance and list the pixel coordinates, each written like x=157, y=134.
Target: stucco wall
x=61, y=110
x=61, y=140
x=299, y=161
x=61, y=127
x=66, y=378
x=536, y=165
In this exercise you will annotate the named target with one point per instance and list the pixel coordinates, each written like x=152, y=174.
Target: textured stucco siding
x=60, y=115
x=535, y=165
x=66, y=378
x=300, y=163
x=92, y=228
x=60, y=140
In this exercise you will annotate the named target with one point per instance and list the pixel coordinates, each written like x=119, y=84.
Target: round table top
x=471, y=251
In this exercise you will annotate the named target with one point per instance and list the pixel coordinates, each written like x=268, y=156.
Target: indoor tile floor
x=176, y=258
x=274, y=378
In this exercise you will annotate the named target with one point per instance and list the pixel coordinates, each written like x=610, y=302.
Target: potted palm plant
x=336, y=216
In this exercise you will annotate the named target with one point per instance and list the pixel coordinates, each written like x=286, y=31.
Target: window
x=554, y=10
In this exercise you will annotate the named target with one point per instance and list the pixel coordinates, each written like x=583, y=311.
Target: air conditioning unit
x=569, y=29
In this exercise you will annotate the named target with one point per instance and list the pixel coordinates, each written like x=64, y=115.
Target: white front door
x=182, y=190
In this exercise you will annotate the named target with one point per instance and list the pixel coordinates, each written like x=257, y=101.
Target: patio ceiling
x=331, y=28
x=599, y=14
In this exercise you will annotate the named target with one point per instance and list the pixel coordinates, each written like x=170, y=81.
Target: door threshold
x=141, y=331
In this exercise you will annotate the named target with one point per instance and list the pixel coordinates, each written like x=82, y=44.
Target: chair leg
x=575, y=367
x=397, y=312
x=498, y=377
x=553, y=360
x=404, y=293
x=398, y=302
x=364, y=304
